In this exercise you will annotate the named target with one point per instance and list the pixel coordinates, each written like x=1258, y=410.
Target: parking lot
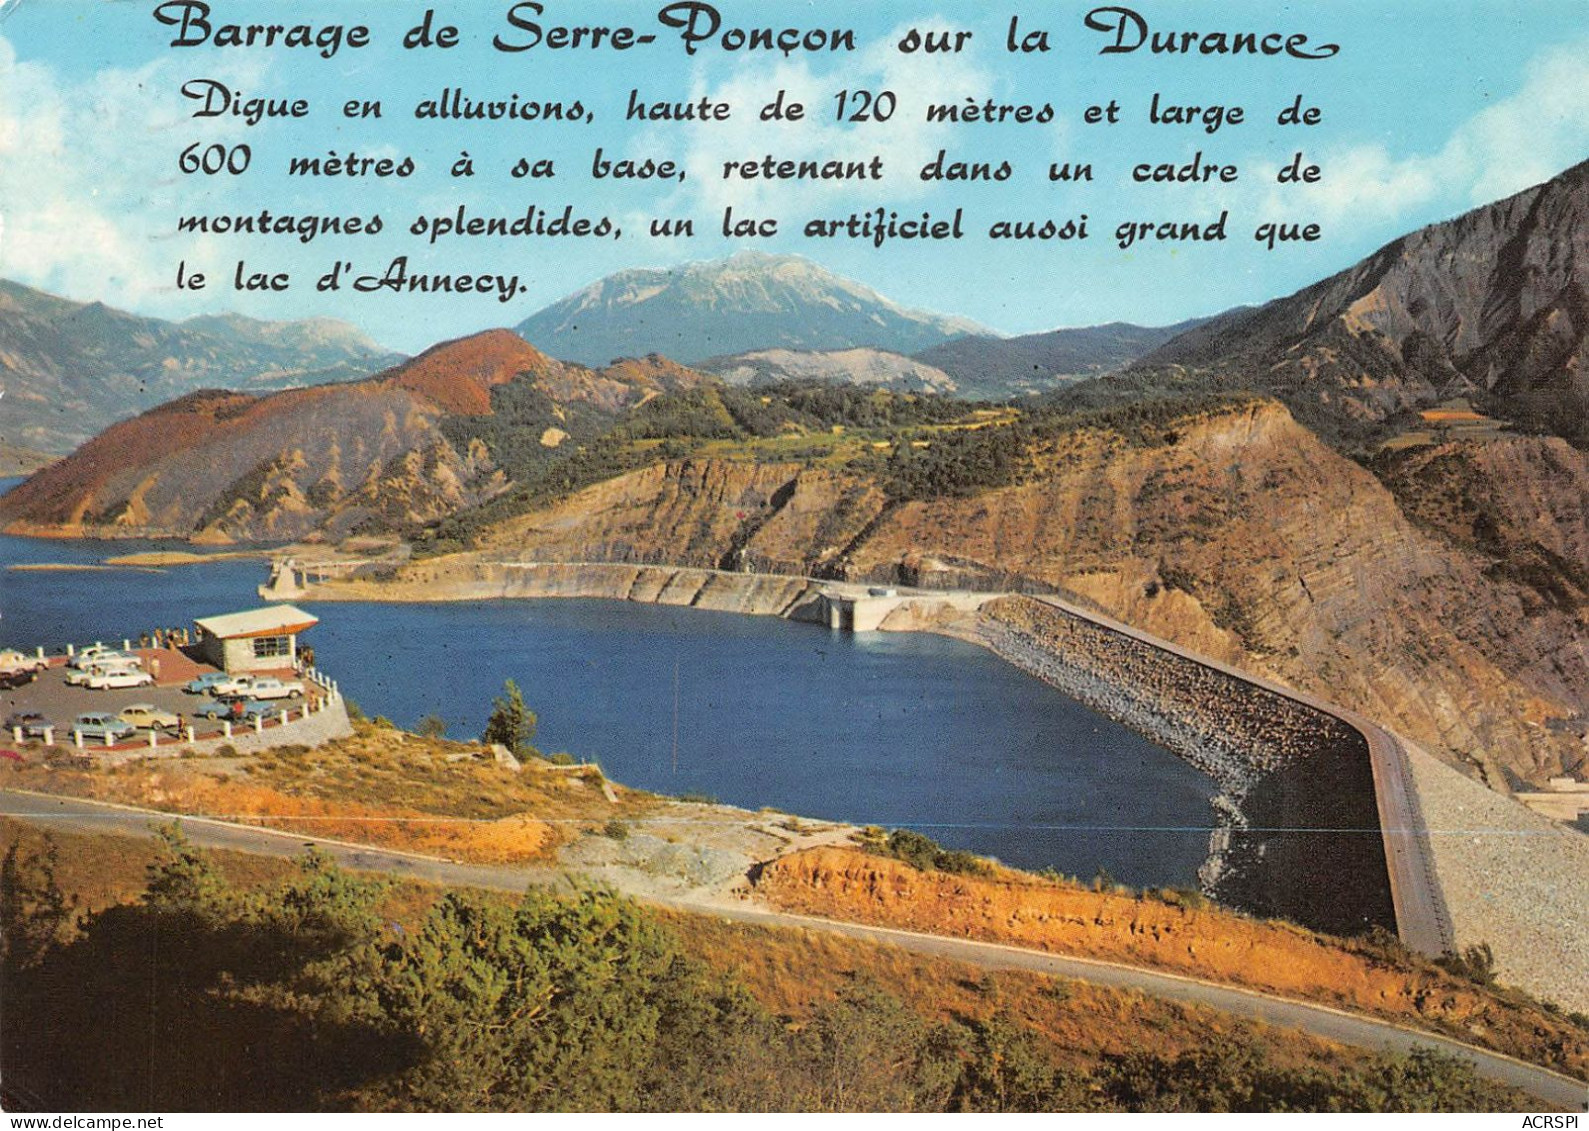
x=50, y=696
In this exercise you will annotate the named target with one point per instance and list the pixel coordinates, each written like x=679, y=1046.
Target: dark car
x=31, y=723
x=17, y=677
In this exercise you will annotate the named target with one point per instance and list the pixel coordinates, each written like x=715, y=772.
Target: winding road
x=1552, y=1088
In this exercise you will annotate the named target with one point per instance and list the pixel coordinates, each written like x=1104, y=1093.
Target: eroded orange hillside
x=1200, y=942
x=458, y=376
x=377, y=453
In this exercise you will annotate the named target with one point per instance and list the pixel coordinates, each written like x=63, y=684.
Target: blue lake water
x=890, y=729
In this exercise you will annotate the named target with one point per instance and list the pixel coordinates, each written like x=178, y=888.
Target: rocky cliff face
x=1520, y=501
x=1492, y=304
x=1238, y=534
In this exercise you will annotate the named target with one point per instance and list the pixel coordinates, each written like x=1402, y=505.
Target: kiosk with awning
x=256, y=640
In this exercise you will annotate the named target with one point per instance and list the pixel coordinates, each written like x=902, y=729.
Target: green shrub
x=927, y=855
x=1476, y=963
x=432, y=726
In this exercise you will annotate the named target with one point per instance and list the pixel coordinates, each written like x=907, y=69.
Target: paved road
x=1559, y=1091
x=1422, y=920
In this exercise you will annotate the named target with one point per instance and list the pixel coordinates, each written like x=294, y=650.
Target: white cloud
x=1518, y=142
x=83, y=212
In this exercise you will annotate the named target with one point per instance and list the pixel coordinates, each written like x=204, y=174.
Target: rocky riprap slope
x=1298, y=832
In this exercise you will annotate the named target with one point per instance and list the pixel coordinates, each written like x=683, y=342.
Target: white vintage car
x=80, y=677
x=268, y=687
x=100, y=654
x=122, y=677
x=232, y=687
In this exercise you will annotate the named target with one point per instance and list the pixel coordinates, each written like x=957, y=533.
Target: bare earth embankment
x=1204, y=942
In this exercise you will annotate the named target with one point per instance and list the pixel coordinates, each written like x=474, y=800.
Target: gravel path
x=1512, y=879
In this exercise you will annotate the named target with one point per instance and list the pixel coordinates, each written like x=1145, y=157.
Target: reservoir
x=894, y=729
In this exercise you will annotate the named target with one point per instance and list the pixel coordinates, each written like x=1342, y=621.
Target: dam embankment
x=485, y=579
x=1299, y=834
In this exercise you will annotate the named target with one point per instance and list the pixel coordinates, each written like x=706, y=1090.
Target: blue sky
x=1429, y=109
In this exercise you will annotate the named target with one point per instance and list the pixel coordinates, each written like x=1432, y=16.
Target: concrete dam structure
x=1318, y=821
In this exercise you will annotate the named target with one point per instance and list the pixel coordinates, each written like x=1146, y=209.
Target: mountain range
x=71, y=369
x=750, y=301
x=1492, y=306
x=996, y=368
x=333, y=459
x=1374, y=488
x=972, y=366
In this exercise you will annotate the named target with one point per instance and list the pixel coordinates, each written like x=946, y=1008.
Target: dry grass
x=789, y=970
x=792, y=971
x=380, y=787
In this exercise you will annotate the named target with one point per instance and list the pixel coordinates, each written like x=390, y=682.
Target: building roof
x=272, y=620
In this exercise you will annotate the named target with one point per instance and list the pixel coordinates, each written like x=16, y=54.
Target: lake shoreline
x=1253, y=773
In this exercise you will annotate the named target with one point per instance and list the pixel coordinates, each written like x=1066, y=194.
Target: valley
x=1331, y=551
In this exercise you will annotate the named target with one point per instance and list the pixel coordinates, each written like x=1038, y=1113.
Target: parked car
x=31, y=723
x=147, y=716
x=105, y=727
x=255, y=708
x=235, y=686
x=17, y=677
x=79, y=677
x=12, y=660
x=99, y=654
x=128, y=677
x=206, y=682
x=268, y=687
x=237, y=709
